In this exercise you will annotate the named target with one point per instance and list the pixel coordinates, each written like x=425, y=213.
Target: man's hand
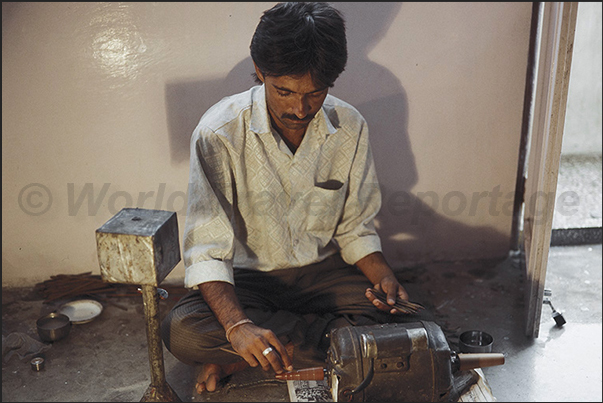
x=393, y=290
x=248, y=340
x=376, y=269
x=259, y=346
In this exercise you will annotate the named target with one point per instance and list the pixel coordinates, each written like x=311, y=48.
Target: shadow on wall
x=411, y=229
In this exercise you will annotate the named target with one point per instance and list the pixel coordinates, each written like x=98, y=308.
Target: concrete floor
x=579, y=189
x=579, y=185
x=107, y=359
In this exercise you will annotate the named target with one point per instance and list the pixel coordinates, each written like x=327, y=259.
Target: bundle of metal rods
x=72, y=285
x=401, y=305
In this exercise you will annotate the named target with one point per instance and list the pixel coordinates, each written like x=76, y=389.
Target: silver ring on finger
x=267, y=351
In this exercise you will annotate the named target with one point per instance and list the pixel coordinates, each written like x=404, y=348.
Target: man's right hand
x=248, y=340
x=259, y=346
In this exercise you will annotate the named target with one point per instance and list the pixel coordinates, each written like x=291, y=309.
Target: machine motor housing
x=394, y=362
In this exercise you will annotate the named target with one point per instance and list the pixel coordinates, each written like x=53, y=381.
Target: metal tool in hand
x=140, y=246
x=400, y=305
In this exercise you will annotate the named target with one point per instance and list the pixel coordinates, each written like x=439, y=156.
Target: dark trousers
x=299, y=305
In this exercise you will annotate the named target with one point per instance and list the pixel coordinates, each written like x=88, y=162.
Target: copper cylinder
x=306, y=374
x=480, y=360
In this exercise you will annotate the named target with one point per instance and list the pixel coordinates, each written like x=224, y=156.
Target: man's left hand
x=393, y=289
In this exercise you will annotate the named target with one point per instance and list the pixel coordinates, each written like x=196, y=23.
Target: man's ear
x=258, y=73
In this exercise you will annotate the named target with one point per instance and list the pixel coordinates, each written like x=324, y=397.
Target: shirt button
x=296, y=242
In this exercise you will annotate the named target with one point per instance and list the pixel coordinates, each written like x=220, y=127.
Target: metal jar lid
x=37, y=363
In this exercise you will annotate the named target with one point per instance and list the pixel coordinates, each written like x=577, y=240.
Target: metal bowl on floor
x=53, y=327
x=475, y=341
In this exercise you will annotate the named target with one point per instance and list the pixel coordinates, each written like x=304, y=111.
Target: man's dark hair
x=296, y=38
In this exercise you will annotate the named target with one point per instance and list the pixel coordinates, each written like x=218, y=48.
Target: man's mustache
x=296, y=119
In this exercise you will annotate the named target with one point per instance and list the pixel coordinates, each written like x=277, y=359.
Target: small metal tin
x=475, y=341
x=37, y=363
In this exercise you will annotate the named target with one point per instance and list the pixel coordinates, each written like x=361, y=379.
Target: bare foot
x=211, y=374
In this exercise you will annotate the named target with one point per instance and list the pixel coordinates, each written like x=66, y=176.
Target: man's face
x=292, y=101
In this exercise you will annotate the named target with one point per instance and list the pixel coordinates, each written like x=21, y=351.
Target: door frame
x=557, y=28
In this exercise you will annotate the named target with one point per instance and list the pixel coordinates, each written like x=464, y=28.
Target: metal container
x=53, y=327
x=37, y=364
x=475, y=341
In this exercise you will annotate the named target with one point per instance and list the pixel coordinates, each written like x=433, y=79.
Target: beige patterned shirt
x=254, y=204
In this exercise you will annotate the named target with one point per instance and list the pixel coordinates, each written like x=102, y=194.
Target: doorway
x=544, y=197
x=577, y=217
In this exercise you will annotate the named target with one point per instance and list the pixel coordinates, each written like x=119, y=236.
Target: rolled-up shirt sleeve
x=208, y=245
x=355, y=233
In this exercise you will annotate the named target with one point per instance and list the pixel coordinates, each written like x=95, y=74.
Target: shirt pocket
x=324, y=206
x=331, y=184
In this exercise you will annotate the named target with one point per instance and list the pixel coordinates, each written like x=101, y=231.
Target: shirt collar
x=260, y=120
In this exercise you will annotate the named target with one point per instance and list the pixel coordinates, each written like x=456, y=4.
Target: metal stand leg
x=140, y=246
x=159, y=390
